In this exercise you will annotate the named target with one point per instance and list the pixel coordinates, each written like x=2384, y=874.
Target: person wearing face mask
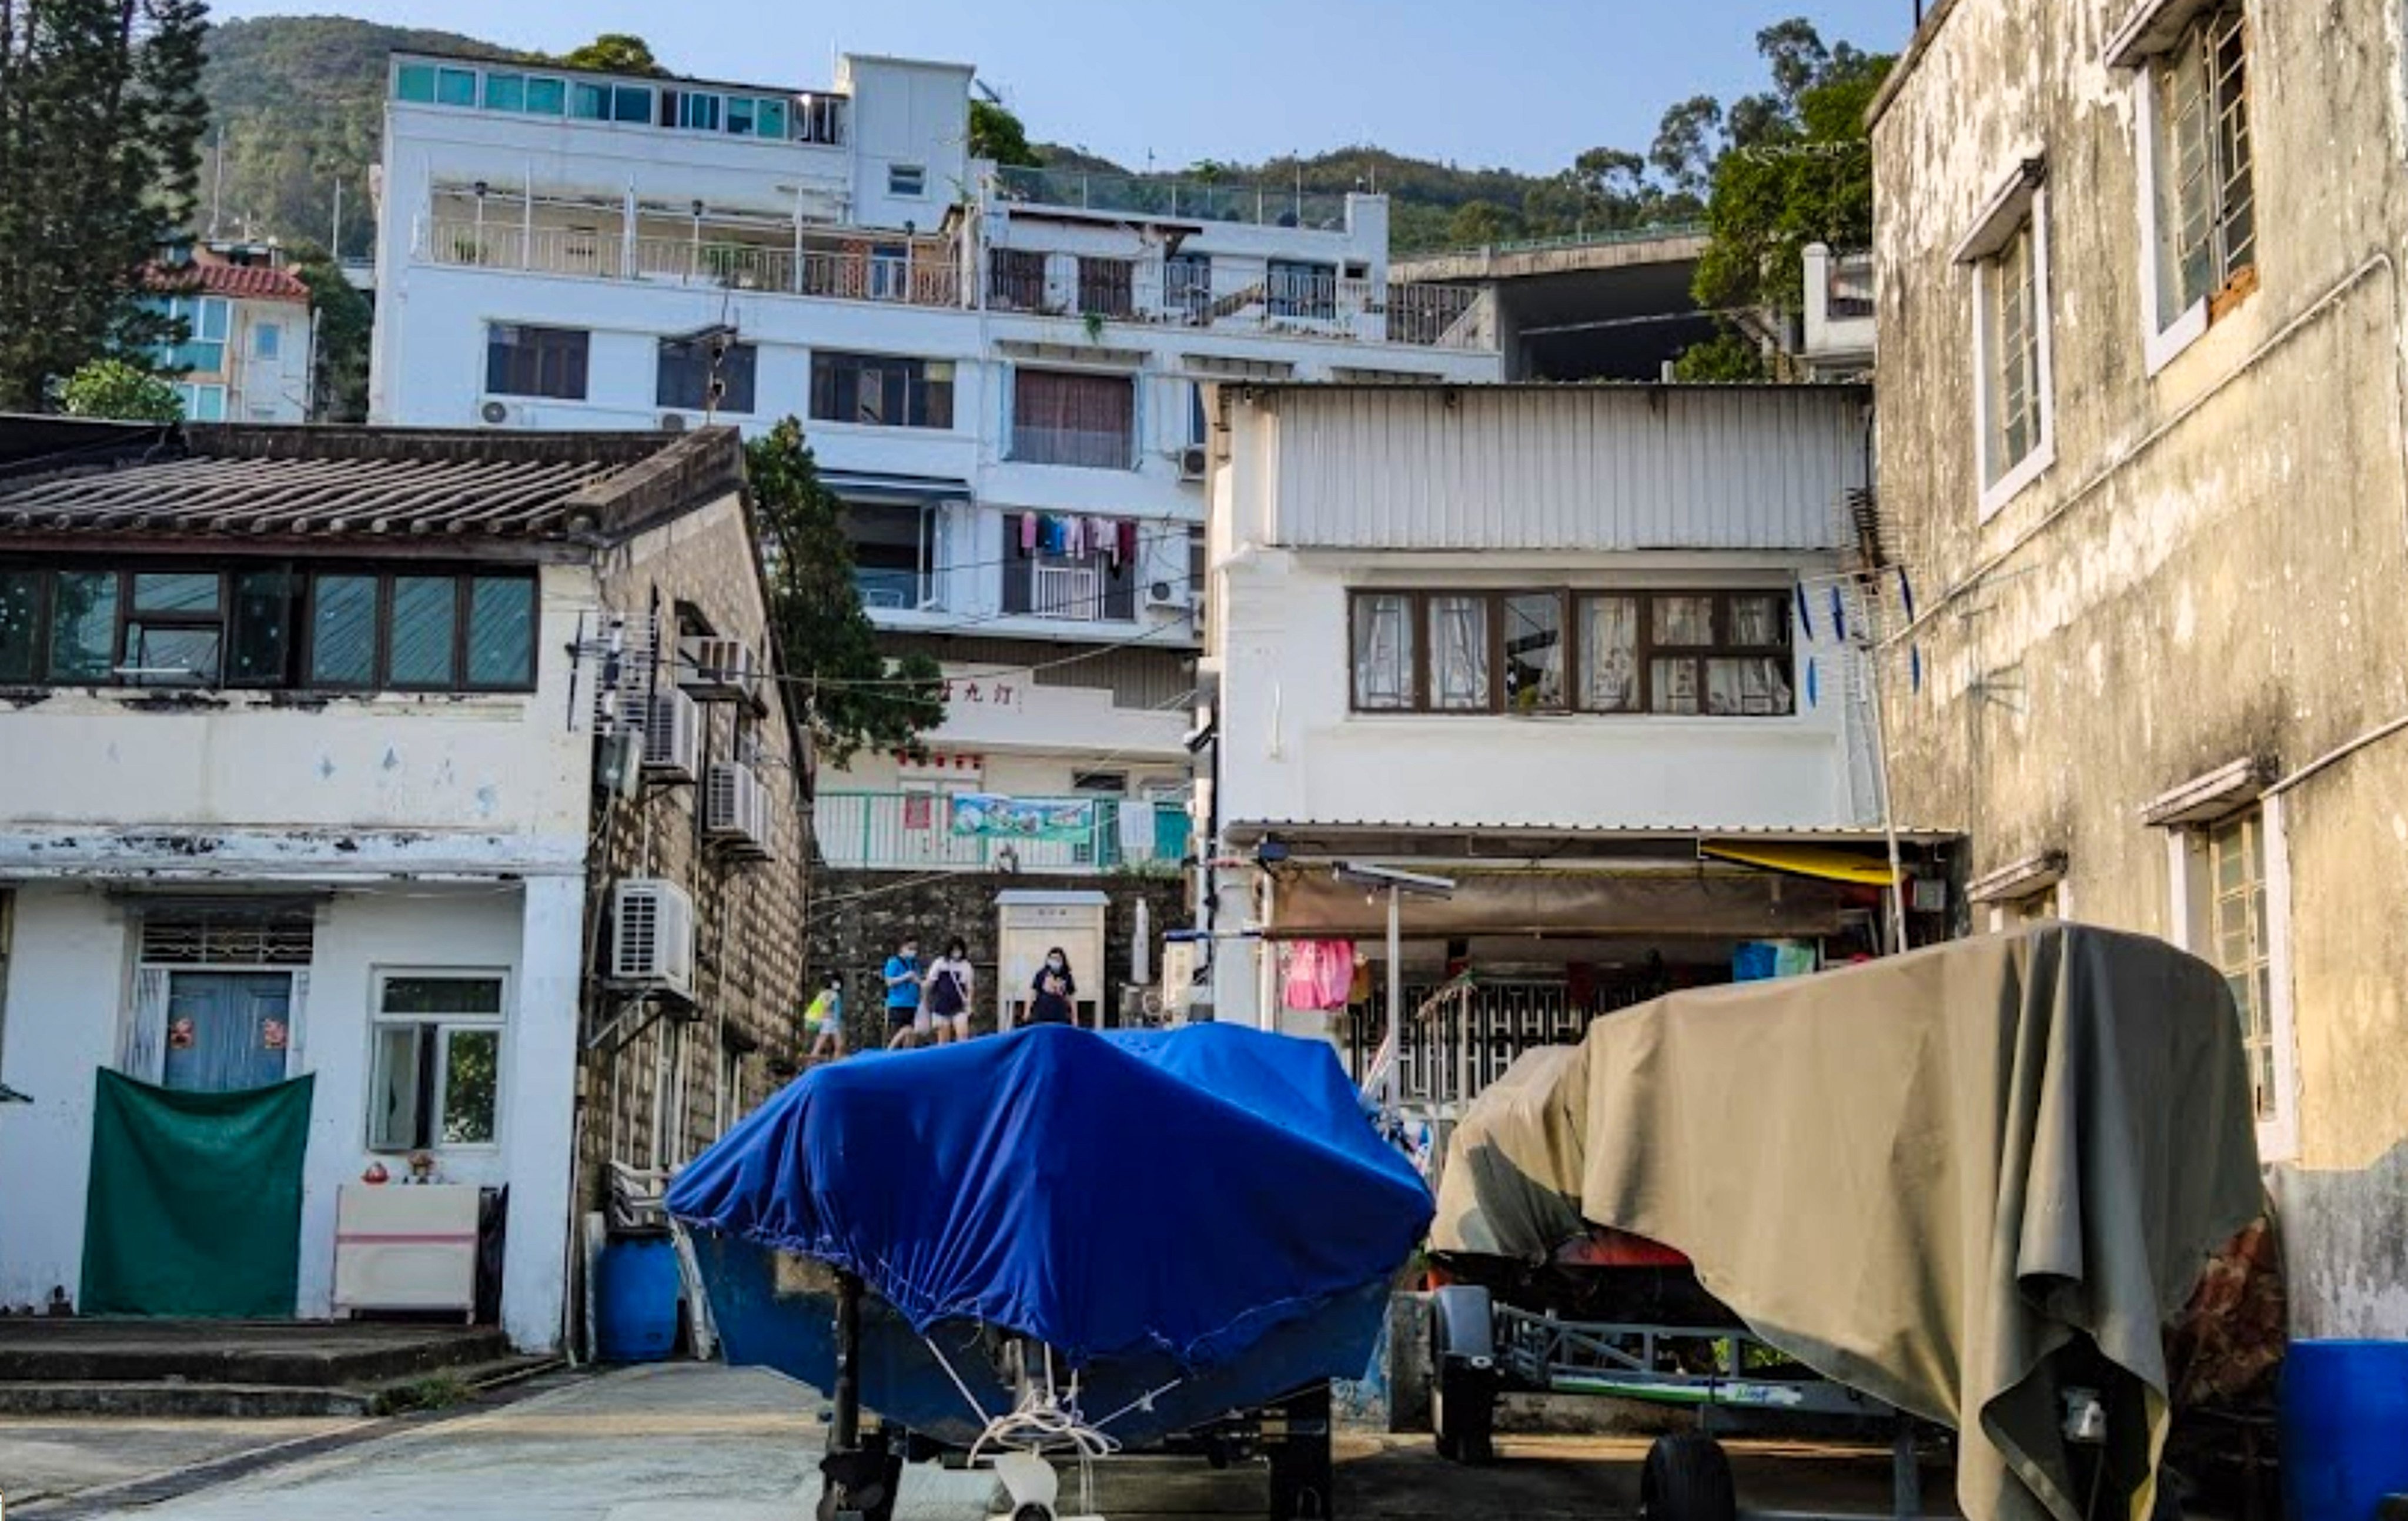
x=1054, y=988
x=949, y=985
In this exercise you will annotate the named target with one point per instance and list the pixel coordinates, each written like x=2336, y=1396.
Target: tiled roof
x=243, y=282
x=359, y=483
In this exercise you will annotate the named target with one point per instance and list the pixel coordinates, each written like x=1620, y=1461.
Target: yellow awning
x=1820, y=862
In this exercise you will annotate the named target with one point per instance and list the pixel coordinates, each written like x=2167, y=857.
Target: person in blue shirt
x=903, y=996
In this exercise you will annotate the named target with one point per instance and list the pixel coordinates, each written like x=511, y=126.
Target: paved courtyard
x=686, y=1442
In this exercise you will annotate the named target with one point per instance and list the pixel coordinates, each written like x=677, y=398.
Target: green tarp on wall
x=194, y=1207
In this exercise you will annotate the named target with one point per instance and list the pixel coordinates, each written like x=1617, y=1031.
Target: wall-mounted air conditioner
x=651, y=935
x=673, y=421
x=501, y=414
x=712, y=669
x=1192, y=461
x=673, y=737
x=1167, y=594
x=736, y=811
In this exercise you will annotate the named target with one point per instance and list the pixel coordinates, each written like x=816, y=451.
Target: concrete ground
x=686, y=1442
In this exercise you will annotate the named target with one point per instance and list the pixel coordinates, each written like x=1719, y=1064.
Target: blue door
x=227, y=1030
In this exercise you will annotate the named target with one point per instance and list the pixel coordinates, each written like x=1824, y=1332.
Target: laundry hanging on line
x=1078, y=537
x=1320, y=974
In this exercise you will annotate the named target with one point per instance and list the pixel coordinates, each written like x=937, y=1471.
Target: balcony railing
x=927, y=276
x=1248, y=297
x=914, y=832
x=1224, y=296
x=1188, y=200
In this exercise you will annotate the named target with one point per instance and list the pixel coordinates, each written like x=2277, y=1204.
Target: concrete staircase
x=246, y=1368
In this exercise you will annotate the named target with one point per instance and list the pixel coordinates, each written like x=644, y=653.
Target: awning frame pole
x=1391, y=1088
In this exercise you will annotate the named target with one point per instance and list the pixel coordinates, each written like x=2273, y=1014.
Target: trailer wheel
x=1687, y=1478
x=1463, y=1382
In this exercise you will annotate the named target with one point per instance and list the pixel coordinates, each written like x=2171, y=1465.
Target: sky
x=1523, y=84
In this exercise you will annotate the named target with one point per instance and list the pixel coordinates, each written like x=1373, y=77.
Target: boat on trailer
x=1056, y=1245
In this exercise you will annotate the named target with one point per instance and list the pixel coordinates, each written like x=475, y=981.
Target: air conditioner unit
x=498, y=414
x=651, y=935
x=1192, y=461
x=736, y=811
x=673, y=737
x=673, y=421
x=713, y=670
x=1167, y=594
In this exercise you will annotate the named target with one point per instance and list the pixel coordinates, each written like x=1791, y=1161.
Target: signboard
x=988, y=816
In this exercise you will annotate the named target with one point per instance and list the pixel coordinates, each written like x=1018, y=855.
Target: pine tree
x=100, y=122
x=859, y=699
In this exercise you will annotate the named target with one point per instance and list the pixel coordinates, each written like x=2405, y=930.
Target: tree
x=996, y=134
x=115, y=389
x=858, y=698
x=343, y=320
x=1687, y=143
x=1728, y=357
x=100, y=121
x=1478, y=223
x=615, y=52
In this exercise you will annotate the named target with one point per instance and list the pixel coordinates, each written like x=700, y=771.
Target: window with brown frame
x=1708, y=653
x=268, y=625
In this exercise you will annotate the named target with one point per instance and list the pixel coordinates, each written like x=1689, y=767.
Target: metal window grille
x=2208, y=217
x=2236, y=863
x=2012, y=293
x=282, y=941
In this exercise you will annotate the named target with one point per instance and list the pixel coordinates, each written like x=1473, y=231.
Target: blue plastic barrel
x=2345, y=1428
x=636, y=1318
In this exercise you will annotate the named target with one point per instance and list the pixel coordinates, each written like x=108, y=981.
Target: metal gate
x=1461, y=1037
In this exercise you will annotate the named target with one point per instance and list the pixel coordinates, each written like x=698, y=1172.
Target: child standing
x=950, y=982
x=826, y=1018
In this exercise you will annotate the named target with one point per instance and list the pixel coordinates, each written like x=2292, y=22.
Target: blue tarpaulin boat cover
x=1179, y=1192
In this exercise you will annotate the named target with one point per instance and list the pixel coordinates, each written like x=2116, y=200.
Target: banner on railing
x=993, y=817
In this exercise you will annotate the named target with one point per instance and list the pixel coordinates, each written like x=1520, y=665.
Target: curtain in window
x=1609, y=654
x=1751, y=688
x=1384, y=652
x=1458, y=638
x=1534, y=653
x=1064, y=419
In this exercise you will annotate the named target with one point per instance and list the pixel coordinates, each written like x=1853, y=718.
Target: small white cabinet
x=401, y=1247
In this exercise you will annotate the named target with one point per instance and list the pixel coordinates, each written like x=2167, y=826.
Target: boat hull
x=777, y=1309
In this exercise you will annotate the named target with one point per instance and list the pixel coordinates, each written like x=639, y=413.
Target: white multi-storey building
x=1002, y=370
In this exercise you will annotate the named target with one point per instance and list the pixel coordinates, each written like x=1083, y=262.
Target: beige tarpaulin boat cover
x=1941, y=1179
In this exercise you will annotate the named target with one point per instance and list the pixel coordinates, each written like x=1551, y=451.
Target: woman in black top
x=1054, y=988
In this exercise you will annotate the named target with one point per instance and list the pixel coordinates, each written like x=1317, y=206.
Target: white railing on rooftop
x=1188, y=200
x=924, y=278
x=1248, y=297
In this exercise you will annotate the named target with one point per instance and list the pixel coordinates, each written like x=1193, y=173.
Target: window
x=267, y=340
x=268, y=625
x=2237, y=941
x=690, y=109
x=741, y=116
x=1705, y=653
x=1302, y=290
x=1061, y=417
x=2008, y=253
x=203, y=403
x=426, y=84
x=523, y=361
x=881, y=391
x=505, y=92
x=205, y=320
x=1016, y=279
x=907, y=179
x=770, y=118
x=2202, y=210
x=589, y=102
x=546, y=97
x=1187, y=286
x=631, y=104
x=439, y=1061
x=688, y=369
x=1107, y=287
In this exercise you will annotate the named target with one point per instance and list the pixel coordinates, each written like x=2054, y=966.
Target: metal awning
x=1459, y=841
x=1820, y=862
x=854, y=485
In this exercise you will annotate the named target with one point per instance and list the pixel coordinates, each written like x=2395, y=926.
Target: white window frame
x=2141, y=47
x=2022, y=201
x=2190, y=875
x=443, y=1024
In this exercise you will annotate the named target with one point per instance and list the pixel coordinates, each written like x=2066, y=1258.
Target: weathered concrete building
x=2139, y=328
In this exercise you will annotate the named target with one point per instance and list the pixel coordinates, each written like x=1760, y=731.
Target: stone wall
x=857, y=917
x=663, y=1090
x=2209, y=571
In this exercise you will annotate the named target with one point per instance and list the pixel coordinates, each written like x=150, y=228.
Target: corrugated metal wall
x=1137, y=676
x=1569, y=467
